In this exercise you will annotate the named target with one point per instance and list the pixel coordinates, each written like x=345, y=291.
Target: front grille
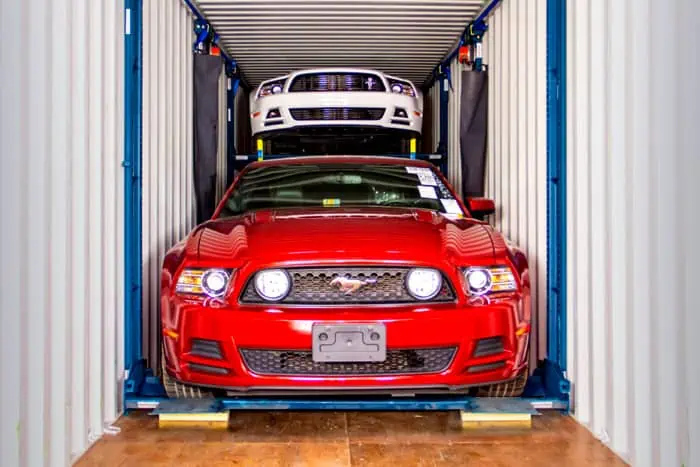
x=337, y=113
x=380, y=285
x=290, y=362
x=337, y=82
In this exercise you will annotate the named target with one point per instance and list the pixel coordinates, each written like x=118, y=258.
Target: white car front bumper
x=324, y=109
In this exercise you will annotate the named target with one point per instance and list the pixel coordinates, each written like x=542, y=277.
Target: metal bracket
x=473, y=38
x=204, y=37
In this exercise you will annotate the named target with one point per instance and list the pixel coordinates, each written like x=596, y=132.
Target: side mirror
x=481, y=207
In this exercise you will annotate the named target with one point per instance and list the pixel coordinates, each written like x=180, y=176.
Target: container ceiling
x=406, y=38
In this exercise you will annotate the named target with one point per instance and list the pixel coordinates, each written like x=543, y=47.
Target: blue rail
x=133, y=66
x=556, y=181
x=476, y=405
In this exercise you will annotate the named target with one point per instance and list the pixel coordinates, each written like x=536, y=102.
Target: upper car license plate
x=349, y=342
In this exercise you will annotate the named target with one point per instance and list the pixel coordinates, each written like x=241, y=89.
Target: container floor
x=349, y=439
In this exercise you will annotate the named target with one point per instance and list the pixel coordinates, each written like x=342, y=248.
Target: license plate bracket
x=349, y=342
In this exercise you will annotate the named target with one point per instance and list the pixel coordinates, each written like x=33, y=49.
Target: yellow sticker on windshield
x=331, y=202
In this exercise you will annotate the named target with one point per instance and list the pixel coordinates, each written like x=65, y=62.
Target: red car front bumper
x=289, y=329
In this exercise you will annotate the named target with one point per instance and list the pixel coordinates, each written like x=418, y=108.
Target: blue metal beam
x=556, y=181
x=356, y=403
x=231, y=90
x=133, y=66
x=442, y=148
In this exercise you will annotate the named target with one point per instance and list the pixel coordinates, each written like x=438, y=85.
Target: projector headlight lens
x=272, y=284
x=210, y=282
x=214, y=282
x=487, y=280
x=423, y=283
x=273, y=87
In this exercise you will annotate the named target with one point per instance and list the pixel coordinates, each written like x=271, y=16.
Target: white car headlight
x=211, y=282
x=273, y=87
x=401, y=87
x=272, y=284
x=423, y=283
x=485, y=280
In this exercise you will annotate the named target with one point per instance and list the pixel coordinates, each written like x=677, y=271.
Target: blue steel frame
x=556, y=182
x=231, y=89
x=133, y=80
x=547, y=388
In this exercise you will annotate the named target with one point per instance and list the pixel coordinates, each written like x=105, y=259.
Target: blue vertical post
x=444, y=83
x=556, y=181
x=230, y=128
x=133, y=66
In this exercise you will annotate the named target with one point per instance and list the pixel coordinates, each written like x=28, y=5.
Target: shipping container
x=591, y=160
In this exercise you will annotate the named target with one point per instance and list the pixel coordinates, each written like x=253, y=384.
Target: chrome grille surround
x=382, y=285
x=337, y=82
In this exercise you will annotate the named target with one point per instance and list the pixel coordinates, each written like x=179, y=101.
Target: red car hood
x=334, y=234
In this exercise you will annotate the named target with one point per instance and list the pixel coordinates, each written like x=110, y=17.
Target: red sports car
x=344, y=275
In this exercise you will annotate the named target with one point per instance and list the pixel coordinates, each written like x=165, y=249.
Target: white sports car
x=336, y=97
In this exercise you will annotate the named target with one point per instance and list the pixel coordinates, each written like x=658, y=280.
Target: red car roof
x=301, y=160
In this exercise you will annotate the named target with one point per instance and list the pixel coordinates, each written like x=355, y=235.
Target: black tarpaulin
x=472, y=136
x=207, y=69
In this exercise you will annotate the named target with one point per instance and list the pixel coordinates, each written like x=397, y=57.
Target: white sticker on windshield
x=425, y=175
x=451, y=206
x=427, y=192
x=427, y=178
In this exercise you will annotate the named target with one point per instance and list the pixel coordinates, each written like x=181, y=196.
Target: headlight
x=485, y=280
x=423, y=284
x=401, y=87
x=209, y=282
x=272, y=284
x=274, y=87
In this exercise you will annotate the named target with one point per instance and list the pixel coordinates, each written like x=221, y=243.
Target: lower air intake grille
x=286, y=362
x=337, y=113
x=206, y=348
x=490, y=346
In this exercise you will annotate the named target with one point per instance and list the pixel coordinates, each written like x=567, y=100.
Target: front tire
x=513, y=388
x=176, y=390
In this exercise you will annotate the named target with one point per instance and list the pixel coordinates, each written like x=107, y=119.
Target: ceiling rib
x=406, y=38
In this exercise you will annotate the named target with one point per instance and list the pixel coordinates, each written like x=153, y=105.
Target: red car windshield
x=337, y=185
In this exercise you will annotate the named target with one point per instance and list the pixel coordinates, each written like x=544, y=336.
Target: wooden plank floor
x=260, y=439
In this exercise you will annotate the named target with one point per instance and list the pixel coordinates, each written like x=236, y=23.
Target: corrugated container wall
x=633, y=108
x=515, y=52
x=168, y=190
x=168, y=198
x=61, y=246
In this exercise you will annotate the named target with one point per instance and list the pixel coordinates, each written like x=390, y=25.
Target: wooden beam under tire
x=218, y=420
